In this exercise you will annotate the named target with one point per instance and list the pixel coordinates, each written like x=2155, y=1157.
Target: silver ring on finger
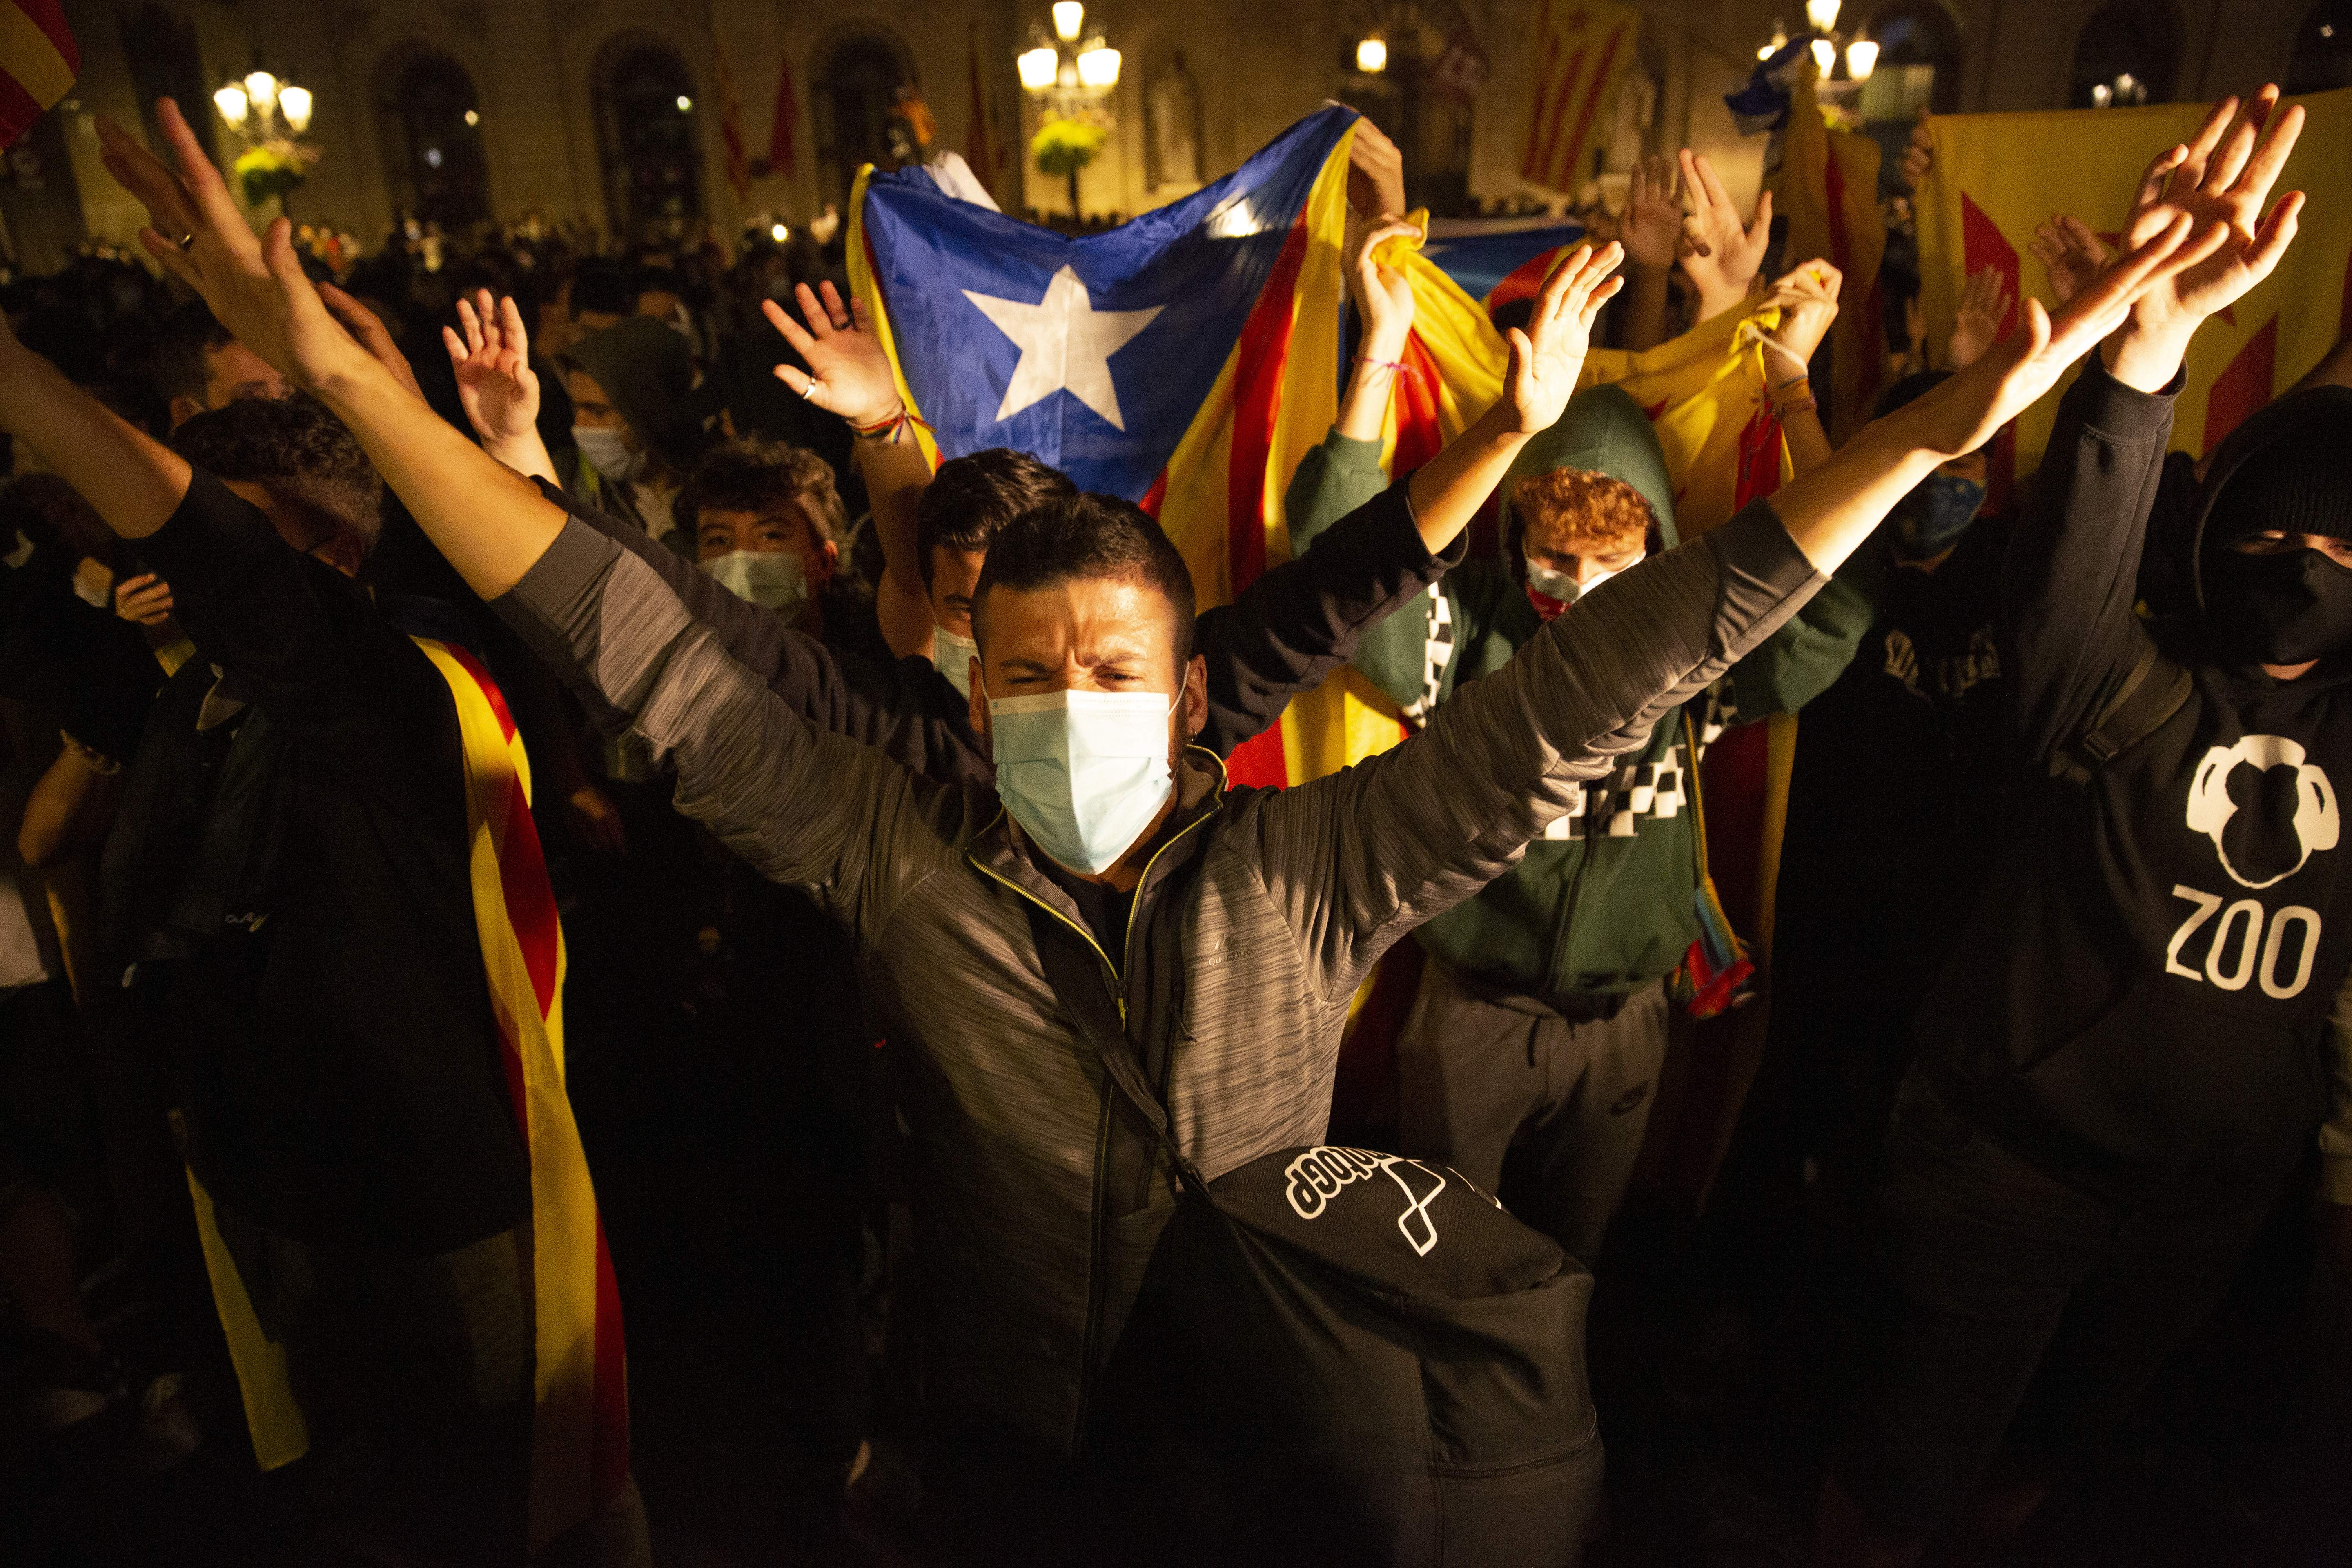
x=187, y=241
x=808, y=393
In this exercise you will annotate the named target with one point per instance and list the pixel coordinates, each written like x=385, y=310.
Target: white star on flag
x=1065, y=345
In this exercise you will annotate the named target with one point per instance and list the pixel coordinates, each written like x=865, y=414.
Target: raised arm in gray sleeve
x=1358, y=859
x=800, y=805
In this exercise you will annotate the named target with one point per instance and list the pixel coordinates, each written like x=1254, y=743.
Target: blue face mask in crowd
x=1931, y=519
x=604, y=446
x=1083, y=773
x=763, y=576
x=953, y=654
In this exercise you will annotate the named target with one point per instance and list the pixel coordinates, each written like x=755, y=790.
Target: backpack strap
x=2152, y=693
x=1075, y=975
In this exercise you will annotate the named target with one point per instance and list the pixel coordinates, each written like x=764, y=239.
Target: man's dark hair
x=972, y=497
x=603, y=286
x=755, y=475
x=186, y=336
x=294, y=445
x=1088, y=536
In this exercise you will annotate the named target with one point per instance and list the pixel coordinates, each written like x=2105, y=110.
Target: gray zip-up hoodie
x=1030, y=1260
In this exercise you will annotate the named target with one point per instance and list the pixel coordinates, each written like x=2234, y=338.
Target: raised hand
x=1652, y=226
x=1919, y=154
x=1547, y=358
x=1383, y=294
x=495, y=381
x=2222, y=177
x=370, y=333
x=852, y=373
x=1808, y=299
x=1962, y=413
x=1375, y=174
x=1725, y=254
x=1984, y=301
x=255, y=286
x=2070, y=252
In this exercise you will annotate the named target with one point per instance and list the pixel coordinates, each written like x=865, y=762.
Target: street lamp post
x=269, y=116
x=1070, y=74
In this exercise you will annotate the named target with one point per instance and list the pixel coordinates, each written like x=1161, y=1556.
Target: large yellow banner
x=1997, y=176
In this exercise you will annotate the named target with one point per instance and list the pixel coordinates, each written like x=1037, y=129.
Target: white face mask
x=763, y=577
x=1083, y=773
x=953, y=654
x=609, y=452
x=1559, y=585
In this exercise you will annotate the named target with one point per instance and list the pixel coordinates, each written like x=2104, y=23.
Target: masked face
x=1079, y=700
x=608, y=449
x=2274, y=599
x=1931, y=519
x=1084, y=772
x=765, y=577
x=1562, y=568
x=953, y=653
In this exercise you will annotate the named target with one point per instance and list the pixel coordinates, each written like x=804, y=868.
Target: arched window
x=853, y=92
x=1421, y=96
x=2129, y=53
x=2322, y=48
x=1173, y=157
x=647, y=137
x=1918, y=61
x=164, y=63
x=430, y=129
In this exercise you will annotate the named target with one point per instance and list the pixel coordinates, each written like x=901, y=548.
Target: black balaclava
x=2294, y=605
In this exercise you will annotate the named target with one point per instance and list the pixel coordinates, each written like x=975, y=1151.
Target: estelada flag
x=1499, y=261
x=39, y=62
x=1828, y=189
x=1186, y=360
x=1996, y=176
x=731, y=132
x=1581, y=49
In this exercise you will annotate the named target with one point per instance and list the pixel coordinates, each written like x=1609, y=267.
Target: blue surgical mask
x=766, y=577
x=1931, y=519
x=605, y=448
x=1083, y=773
x=953, y=654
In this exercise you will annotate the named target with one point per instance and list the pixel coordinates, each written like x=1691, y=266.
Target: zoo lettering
x=2246, y=942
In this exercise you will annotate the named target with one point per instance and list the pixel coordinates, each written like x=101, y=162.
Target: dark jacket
x=2143, y=992
x=1281, y=635
x=1602, y=904
x=328, y=1015
x=1031, y=1251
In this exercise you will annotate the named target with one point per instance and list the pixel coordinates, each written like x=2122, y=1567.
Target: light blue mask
x=1083, y=773
x=953, y=654
x=766, y=577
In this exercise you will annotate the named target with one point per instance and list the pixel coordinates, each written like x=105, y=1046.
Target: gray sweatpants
x=1479, y=1078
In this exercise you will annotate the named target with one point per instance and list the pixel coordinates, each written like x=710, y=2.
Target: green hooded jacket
x=1603, y=903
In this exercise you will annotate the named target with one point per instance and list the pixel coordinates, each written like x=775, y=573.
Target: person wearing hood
x=2122, y=1067
x=637, y=420
x=1894, y=813
x=1541, y=1022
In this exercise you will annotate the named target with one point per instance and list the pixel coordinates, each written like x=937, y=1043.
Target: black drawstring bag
x=1338, y=1355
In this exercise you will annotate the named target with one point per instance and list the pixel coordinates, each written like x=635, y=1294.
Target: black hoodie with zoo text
x=2142, y=995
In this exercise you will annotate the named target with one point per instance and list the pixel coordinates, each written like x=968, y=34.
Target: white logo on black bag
x=1321, y=1172
x=2211, y=807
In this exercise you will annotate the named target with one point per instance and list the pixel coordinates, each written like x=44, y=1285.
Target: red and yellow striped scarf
x=580, y=1429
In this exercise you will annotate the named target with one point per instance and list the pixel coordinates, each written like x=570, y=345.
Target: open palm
x=1548, y=357
x=492, y=361
x=2222, y=176
x=848, y=371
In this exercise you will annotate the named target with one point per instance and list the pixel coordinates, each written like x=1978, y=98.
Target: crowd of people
x=528, y=795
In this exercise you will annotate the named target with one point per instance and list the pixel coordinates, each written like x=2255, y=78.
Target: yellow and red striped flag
x=39, y=62
x=1581, y=50
x=731, y=132
x=1997, y=175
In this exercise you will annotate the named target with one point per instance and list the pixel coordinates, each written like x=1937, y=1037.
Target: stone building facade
x=604, y=111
